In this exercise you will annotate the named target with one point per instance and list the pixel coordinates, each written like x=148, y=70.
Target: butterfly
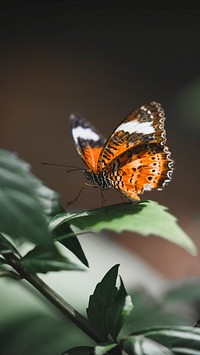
x=133, y=159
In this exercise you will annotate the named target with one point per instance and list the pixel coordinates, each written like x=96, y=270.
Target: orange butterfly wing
x=89, y=142
x=145, y=124
x=135, y=156
x=147, y=168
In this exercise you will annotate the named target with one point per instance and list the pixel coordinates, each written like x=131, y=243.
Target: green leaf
x=108, y=306
x=180, y=339
x=139, y=345
x=98, y=302
x=6, y=246
x=103, y=349
x=146, y=218
x=80, y=350
x=47, y=258
x=22, y=214
x=65, y=235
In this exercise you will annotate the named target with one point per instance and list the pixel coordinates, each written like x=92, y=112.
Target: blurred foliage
x=37, y=333
x=49, y=333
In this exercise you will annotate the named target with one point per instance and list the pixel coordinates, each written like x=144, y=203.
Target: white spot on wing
x=147, y=187
x=137, y=127
x=84, y=133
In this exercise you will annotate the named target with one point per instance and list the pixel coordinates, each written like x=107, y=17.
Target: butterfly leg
x=79, y=193
x=77, y=196
x=103, y=200
x=123, y=198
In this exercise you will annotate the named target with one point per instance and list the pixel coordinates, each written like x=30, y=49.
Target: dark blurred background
x=103, y=59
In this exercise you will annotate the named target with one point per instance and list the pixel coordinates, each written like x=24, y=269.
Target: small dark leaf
x=65, y=235
x=103, y=294
x=109, y=306
x=22, y=214
x=80, y=350
x=47, y=258
x=140, y=345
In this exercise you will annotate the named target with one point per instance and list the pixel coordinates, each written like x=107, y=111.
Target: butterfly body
x=101, y=180
x=133, y=159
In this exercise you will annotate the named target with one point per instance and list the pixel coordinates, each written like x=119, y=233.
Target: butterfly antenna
x=73, y=168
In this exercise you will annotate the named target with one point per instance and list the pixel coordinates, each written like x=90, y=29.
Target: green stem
x=54, y=298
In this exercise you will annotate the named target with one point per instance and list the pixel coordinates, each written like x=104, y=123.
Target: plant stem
x=54, y=298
